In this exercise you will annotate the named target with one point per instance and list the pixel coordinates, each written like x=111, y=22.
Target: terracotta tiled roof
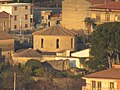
x=4, y=15
x=55, y=30
x=4, y=35
x=27, y=53
x=100, y=1
x=115, y=5
x=113, y=73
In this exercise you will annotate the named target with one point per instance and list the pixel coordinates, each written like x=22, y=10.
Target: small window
x=42, y=43
x=15, y=18
x=26, y=7
x=57, y=43
x=15, y=26
x=26, y=25
x=26, y=17
x=99, y=86
x=15, y=8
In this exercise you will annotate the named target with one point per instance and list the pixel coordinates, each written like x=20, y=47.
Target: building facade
x=21, y=15
x=5, y=21
x=74, y=12
x=54, y=39
x=106, y=13
x=103, y=80
x=49, y=18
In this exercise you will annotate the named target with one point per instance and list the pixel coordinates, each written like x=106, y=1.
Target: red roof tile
x=113, y=73
x=115, y=6
x=4, y=15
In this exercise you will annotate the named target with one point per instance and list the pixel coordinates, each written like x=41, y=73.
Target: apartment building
x=106, y=13
x=103, y=80
x=74, y=12
x=21, y=15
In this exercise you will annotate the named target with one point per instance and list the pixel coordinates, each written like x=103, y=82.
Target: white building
x=21, y=15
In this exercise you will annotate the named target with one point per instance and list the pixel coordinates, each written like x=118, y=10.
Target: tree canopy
x=105, y=42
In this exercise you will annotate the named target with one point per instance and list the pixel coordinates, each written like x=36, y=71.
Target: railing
x=90, y=88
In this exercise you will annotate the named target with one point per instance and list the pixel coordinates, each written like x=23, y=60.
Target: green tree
x=33, y=64
x=105, y=41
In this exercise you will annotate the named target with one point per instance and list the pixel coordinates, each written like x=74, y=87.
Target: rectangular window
x=42, y=43
x=93, y=85
x=26, y=17
x=26, y=7
x=99, y=85
x=15, y=8
x=57, y=43
x=107, y=17
x=15, y=18
x=111, y=86
x=15, y=26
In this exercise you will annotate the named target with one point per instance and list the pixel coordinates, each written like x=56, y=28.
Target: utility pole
x=15, y=80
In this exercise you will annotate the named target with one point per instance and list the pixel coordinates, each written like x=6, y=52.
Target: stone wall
x=60, y=64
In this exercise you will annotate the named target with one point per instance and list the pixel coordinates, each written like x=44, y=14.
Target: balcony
x=90, y=88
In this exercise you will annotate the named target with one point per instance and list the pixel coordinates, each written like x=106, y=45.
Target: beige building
x=21, y=57
x=7, y=45
x=75, y=11
x=5, y=21
x=21, y=15
x=54, y=39
x=103, y=80
x=106, y=13
x=49, y=18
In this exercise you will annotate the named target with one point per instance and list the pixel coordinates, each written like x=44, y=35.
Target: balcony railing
x=90, y=88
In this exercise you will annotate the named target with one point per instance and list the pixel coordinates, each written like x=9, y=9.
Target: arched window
x=57, y=43
x=42, y=43
x=71, y=42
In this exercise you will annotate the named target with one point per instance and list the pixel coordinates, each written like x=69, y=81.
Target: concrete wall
x=60, y=64
x=74, y=12
x=50, y=43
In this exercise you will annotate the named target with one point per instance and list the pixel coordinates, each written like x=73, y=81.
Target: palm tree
x=89, y=22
